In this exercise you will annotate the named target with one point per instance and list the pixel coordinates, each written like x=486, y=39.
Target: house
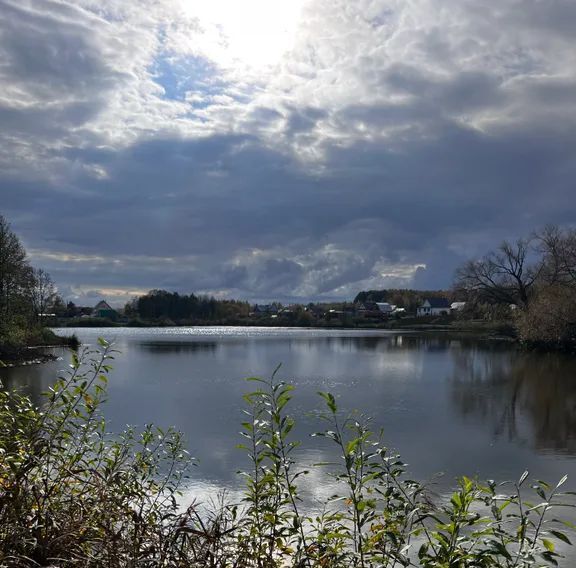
x=314, y=310
x=368, y=310
x=265, y=309
x=457, y=306
x=103, y=310
x=433, y=307
x=385, y=307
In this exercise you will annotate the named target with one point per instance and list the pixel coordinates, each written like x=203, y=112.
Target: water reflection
x=447, y=402
x=526, y=397
x=175, y=347
x=31, y=380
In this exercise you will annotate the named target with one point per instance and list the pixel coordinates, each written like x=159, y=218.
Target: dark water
x=447, y=404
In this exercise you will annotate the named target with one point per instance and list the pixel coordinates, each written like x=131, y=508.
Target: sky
x=288, y=150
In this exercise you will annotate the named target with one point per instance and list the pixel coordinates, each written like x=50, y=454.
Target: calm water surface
x=447, y=404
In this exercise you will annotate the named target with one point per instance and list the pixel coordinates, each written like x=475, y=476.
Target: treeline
x=533, y=280
x=160, y=306
x=27, y=295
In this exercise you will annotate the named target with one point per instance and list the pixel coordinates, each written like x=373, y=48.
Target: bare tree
x=559, y=248
x=43, y=293
x=539, y=275
x=507, y=275
x=14, y=270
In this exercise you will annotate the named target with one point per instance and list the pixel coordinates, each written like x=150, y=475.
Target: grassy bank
x=72, y=495
x=29, y=345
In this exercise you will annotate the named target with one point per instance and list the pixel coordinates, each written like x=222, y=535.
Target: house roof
x=438, y=302
x=103, y=305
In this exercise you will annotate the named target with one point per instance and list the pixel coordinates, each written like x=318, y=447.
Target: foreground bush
x=550, y=320
x=73, y=495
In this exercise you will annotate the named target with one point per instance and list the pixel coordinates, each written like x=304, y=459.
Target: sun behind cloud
x=251, y=33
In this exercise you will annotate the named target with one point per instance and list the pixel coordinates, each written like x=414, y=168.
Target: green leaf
x=456, y=500
x=330, y=400
x=255, y=380
x=540, y=492
x=562, y=481
x=289, y=426
x=549, y=557
x=548, y=544
x=352, y=445
x=499, y=548
x=561, y=536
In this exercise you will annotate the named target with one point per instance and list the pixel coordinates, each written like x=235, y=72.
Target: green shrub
x=73, y=495
x=70, y=494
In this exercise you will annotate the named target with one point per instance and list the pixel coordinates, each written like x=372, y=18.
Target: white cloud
x=92, y=65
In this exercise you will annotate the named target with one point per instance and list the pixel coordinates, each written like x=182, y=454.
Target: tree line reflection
x=527, y=398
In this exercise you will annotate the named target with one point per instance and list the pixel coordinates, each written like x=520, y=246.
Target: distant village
x=354, y=313
x=377, y=310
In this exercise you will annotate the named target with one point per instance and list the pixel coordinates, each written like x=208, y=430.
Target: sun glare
x=255, y=33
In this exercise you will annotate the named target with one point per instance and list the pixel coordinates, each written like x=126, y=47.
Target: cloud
x=290, y=150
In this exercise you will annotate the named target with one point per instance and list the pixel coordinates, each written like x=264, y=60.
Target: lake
x=449, y=404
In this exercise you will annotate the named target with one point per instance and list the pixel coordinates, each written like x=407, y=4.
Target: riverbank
x=32, y=350
x=504, y=329
x=443, y=323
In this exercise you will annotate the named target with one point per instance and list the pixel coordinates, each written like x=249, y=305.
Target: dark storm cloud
x=52, y=70
x=462, y=92
x=50, y=51
x=302, y=120
x=211, y=198
x=350, y=170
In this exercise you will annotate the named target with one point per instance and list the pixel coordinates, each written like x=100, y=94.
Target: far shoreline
x=500, y=329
